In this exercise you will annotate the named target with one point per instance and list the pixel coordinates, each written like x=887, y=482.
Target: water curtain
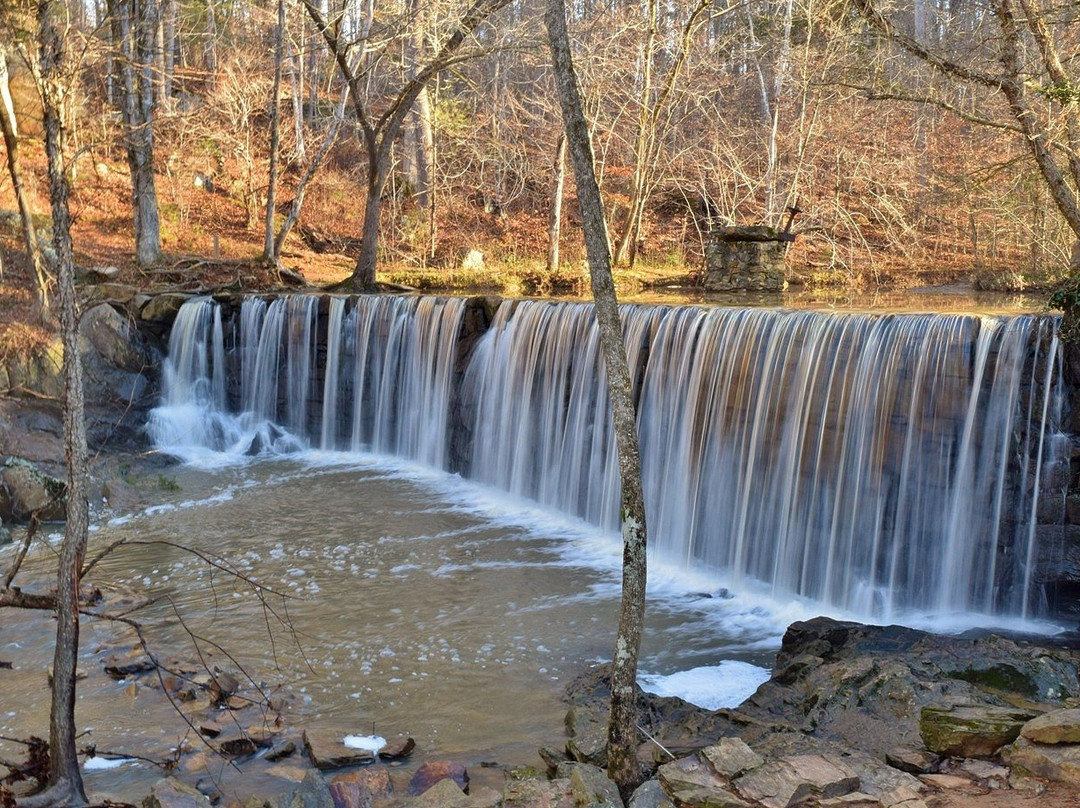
x=879, y=463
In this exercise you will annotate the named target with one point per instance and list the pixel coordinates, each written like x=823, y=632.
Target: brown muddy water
x=418, y=604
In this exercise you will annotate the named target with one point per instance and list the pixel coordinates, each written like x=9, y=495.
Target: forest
x=924, y=143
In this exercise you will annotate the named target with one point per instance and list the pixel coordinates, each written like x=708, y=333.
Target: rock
x=309, y=792
x=537, y=794
x=473, y=260
x=649, y=794
x=330, y=752
x=484, y=797
x=789, y=781
x=1059, y=763
x=854, y=800
x=171, y=793
x=912, y=761
x=433, y=771
x=359, y=789
x=442, y=794
x=238, y=747
x=970, y=731
x=688, y=774
x=731, y=757
x=280, y=751
x=986, y=773
x=25, y=490
x=590, y=785
x=1056, y=726
x=161, y=309
x=398, y=749
x=587, y=727
x=710, y=798
x=945, y=781
x=903, y=798
x=114, y=338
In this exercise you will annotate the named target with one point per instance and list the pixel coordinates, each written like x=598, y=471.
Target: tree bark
x=9, y=126
x=136, y=30
x=65, y=785
x=555, y=216
x=622, y=763
x=269, y=254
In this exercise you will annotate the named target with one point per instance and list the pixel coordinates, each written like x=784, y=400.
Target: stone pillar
x=745, y=259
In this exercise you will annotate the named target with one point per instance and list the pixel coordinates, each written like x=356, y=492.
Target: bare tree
x=9, y=127
x=622, y=763
x=269, y=254
x=379, y=133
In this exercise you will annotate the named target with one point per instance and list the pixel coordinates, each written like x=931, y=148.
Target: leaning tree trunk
x=622, y=763
x=11, y=145
x=65, y=785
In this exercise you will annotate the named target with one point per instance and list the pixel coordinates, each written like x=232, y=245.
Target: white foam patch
x=103, y=764
x=370, y=743
x=728, y=684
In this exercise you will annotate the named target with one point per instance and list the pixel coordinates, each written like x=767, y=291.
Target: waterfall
x=882, y=464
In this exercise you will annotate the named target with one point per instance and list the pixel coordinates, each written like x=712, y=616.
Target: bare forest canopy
x=441, y=115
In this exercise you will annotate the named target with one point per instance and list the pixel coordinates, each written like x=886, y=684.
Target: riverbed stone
x=649, y=794
x=590, y=785
x=587, y=727
x=328, y=751
x=731, y=757
x=912, y=761
x=1056, y=726
x=443, y=794
x=538, y=794
x=1059, y=763
x=688, y=774
x=787, y=782
x=432, y=771
x=970, y=731
x=172, y=793
x=310, y=791
x=25, y=490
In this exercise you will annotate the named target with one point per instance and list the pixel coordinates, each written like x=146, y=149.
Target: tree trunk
x=363, y=278
x=622, y=763
x=296, y=76
x=555, y=216
x=269, y=253
x=65, y=785
x=11, y=145
x=136, y=29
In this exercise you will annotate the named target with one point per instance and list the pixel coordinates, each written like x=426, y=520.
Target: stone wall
x=745, y=259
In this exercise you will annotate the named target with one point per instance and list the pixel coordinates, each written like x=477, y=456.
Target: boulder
x=587, y=727
x=1056, y=726
x=688, y=774
x=650, y=794
x=114, y=338
x=1059, y=763
x=970, y=731
x=443, y=794
x=24, y=490
x=373, y=782
x=172, y=793
x=590, y=785
x=731, y=757
x=538, y=794
x=160, y=310
x=912, y=761
x=787, y=782
x=306, y=790
x=433, y=771
x=328, y=751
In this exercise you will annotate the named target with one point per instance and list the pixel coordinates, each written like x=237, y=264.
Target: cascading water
x=880, y=464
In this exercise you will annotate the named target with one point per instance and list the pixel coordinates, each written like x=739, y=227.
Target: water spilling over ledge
x=880, y=464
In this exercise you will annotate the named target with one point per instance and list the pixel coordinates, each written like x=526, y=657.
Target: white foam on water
x=712, y=687
x=369, y=743
x=104, y=764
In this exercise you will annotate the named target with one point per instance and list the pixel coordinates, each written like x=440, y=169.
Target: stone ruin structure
x=746, y=259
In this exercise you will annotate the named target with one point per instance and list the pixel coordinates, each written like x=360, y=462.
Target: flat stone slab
x=970, y=731
x=1056, y=726
x=330, y=752
x=687, y=774
x=731, y=757
x=789, y=781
